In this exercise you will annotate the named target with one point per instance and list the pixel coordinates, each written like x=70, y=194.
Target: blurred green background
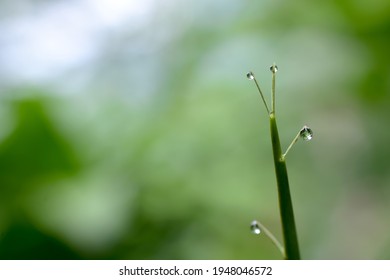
x=128, y=129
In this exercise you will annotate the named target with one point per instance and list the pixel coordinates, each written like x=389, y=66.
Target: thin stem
x=273, y=70
x=285, y=204
x=292, y=144
x=261, y=94
x=272, y=237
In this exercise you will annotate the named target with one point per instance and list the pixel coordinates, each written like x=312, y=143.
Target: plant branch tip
x=305, y=133
x=273, y=68
x=257, y=228
x=251, y=77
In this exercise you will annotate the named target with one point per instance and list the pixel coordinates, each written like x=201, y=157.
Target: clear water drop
x=250, y=75
x=255, y=227
x=306, y=133
x=273, y=68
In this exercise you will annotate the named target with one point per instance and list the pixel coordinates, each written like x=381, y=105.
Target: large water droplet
x=255, y=227
x=250, y=75
x=306, y=133
x=273, y=68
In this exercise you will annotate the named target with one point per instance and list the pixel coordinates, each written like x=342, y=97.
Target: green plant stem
x=273, y=91
x=262, y=96
x=285, y=204
x=292, y=144
x=271, y=237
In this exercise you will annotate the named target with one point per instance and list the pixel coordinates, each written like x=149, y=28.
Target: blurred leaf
x=23, y=241
x=35, y=150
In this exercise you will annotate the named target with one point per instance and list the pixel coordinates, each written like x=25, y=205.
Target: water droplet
x=306, y=133
x=255, y=227
x=273, y=68
x=250, y=75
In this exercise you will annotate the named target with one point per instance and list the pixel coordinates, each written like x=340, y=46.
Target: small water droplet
x=250, y=75
x=273, y=68
x=306, y=133
x=255, y=227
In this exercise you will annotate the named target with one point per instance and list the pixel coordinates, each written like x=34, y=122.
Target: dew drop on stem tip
x=250, y=76
x=255, y=227
x=273, y=68
x=306, y=133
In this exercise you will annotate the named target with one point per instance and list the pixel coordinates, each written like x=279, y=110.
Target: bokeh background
x=128, y=129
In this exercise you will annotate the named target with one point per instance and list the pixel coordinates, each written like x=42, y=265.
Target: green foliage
x=161, y=153
x=34, y=148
